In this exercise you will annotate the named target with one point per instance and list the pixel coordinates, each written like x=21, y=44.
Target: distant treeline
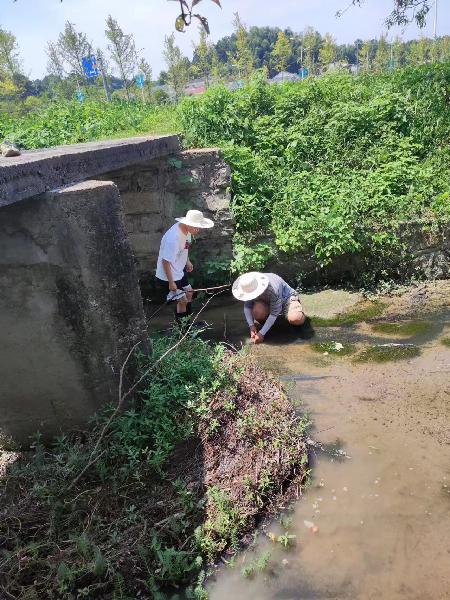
x=232, y=58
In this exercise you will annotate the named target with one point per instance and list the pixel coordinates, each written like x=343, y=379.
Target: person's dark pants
x=182, y=284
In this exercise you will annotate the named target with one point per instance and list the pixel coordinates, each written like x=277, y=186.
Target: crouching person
x=266, y=296
x=173, y=260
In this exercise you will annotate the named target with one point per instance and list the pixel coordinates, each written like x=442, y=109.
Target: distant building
x=198, y=86
x=338, y=66
x=234, y=85
x=285, y=76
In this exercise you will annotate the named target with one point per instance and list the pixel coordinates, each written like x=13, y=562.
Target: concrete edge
x=37, y=172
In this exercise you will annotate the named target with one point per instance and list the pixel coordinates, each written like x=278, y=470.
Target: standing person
x=173, y=259
x=266, y=296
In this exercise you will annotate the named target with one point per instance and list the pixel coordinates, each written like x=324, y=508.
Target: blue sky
x=34, y=22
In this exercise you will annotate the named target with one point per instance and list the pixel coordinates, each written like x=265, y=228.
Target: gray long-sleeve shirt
x=275, y=296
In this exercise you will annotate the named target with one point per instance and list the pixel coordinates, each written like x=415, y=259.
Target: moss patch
x=333, y=348
x=407, y=329
x=362, y=313
x=388, y=353
x=446, y=341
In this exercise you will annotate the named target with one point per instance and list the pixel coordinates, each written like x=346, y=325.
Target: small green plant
x=388, y=353
x=446, y=341
x=286, y=539
x=334, y=348
x=285, y=522
x=408, y=329
x=223, y=525
x=257, y=565
x=358, y=315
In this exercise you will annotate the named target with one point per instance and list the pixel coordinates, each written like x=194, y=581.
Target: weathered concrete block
x=35, y=172
x=145, y=243
x=70, y=308
x=142, y=202
x=170, y=186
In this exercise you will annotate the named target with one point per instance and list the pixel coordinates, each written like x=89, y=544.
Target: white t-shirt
x=174, y=248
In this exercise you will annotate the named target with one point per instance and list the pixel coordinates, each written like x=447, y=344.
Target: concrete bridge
x=79, y=228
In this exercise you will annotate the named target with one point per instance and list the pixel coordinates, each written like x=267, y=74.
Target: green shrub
x=333, y=164
x=69, y=122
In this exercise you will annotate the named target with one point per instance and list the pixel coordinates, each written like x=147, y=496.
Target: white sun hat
x=249, y=286
x=195, y=218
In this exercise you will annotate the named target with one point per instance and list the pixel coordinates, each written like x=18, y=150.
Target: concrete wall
x=426, y=255
x=155, y=192
x=70, y=308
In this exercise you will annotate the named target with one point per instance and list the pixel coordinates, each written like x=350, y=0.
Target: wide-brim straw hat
x=195, y=218
x=249, y=286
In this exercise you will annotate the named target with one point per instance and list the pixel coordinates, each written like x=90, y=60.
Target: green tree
x=218, y=68
x=328, y=51
x=310, y=47
x=10, y=64
x=243, y=58
x=382, y=54
x=71, y=48
x=122, y=49
x=202, y=59
x=281, y=52
x=55, y=65
x=56, y=83
x=397, y=52
x=177, y=66
x=365, y=55
x=404, y=12
x=419, y=51
x=145, y=68
x=444, y=48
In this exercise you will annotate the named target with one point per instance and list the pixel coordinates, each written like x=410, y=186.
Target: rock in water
x=9, y=149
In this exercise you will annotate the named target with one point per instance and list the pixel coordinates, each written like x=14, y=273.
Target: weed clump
x=446, y=341
x=388, y=353
x=409, y=329
x=361, y=313
x=333, y=348
x=155, y=506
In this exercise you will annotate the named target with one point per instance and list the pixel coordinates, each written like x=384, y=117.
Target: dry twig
x=123, y=396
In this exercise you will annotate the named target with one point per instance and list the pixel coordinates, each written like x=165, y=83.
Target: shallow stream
x=375, y=520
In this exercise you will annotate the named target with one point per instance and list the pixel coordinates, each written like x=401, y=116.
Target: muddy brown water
x=382, y=511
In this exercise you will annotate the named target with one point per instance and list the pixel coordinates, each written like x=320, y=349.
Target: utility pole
x=301, y=51
x=435, y=19
x=105, y=83
x=357, y=57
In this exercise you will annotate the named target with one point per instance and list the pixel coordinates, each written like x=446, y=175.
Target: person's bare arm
x=168, y=271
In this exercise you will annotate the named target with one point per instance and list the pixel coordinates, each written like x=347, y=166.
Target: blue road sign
x=140, y=80
x=80, y=96
x=90, y=67
x=303, y=72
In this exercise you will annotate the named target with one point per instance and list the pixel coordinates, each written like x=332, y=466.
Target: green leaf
x=180, y=24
